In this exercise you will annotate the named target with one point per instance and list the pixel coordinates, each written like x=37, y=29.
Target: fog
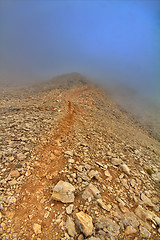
x=109, y=41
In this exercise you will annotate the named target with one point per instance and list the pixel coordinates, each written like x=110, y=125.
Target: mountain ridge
x=74, y=166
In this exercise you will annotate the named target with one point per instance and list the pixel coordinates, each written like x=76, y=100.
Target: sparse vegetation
x=149, y=171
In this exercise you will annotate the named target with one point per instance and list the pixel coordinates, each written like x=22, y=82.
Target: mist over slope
x=64, y=81
x=144, y=111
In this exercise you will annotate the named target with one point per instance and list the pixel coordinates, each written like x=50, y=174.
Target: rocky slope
x=73, y=166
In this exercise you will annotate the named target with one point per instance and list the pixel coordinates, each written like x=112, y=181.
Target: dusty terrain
x=78, y=135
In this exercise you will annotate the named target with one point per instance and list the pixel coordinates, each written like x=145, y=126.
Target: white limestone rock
x=70, y=225
x=37, y=228
x=63, y=192
x=84, y=222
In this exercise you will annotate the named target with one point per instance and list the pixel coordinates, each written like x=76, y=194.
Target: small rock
x=144, y=232
x=71, y=160
x=70, y=227
x=108, y=207
x=142, y=213
x=125, y=183
x=28, y=173
x=66, y=237
x=146, y=200
x=156, y=208
x=11, y=200
x=156, y=176
x=11, y=158
x=59, y=219
x=4, y=226
x=105, y=222
x=116, y=161
x=125, y=169
x=84, y=221
x=130, y=219
x=157, y=220
x=73, y=175
x=69, y=209
x=14, y=173
x=136, y=152
x=37, y=228
x=107, y=174
x=79, y=168
x=94, y=238
x=13, y=182
x=103, y=205
x=83, y=175
x=21, y=156
x=46, y=214
x=90, y=192
x=130, y=230
x=70, y=153
x=121, y=176
x=63, y=192
x=133, y=183
x=121, y=205
x=155, y=200
x=80, y=237
x=57, y=152
x=93, y=174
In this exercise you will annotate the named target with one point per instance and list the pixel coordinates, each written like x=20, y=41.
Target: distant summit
x=65, y=81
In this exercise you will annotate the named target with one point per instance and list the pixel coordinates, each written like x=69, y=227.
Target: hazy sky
x=104, y=39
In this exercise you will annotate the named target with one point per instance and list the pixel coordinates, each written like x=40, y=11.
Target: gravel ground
x=74, y=166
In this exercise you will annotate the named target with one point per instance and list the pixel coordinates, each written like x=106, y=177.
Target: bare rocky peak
x=65, y=81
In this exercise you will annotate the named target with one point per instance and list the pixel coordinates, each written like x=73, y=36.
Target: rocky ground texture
x=73, y=166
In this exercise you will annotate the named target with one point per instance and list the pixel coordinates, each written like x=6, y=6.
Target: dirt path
x=35, y=196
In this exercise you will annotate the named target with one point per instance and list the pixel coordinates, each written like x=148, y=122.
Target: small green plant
x=149, y=171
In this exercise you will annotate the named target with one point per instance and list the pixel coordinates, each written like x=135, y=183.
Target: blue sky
x=104, y=39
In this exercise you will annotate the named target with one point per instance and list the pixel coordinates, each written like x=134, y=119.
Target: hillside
x=74, y=166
